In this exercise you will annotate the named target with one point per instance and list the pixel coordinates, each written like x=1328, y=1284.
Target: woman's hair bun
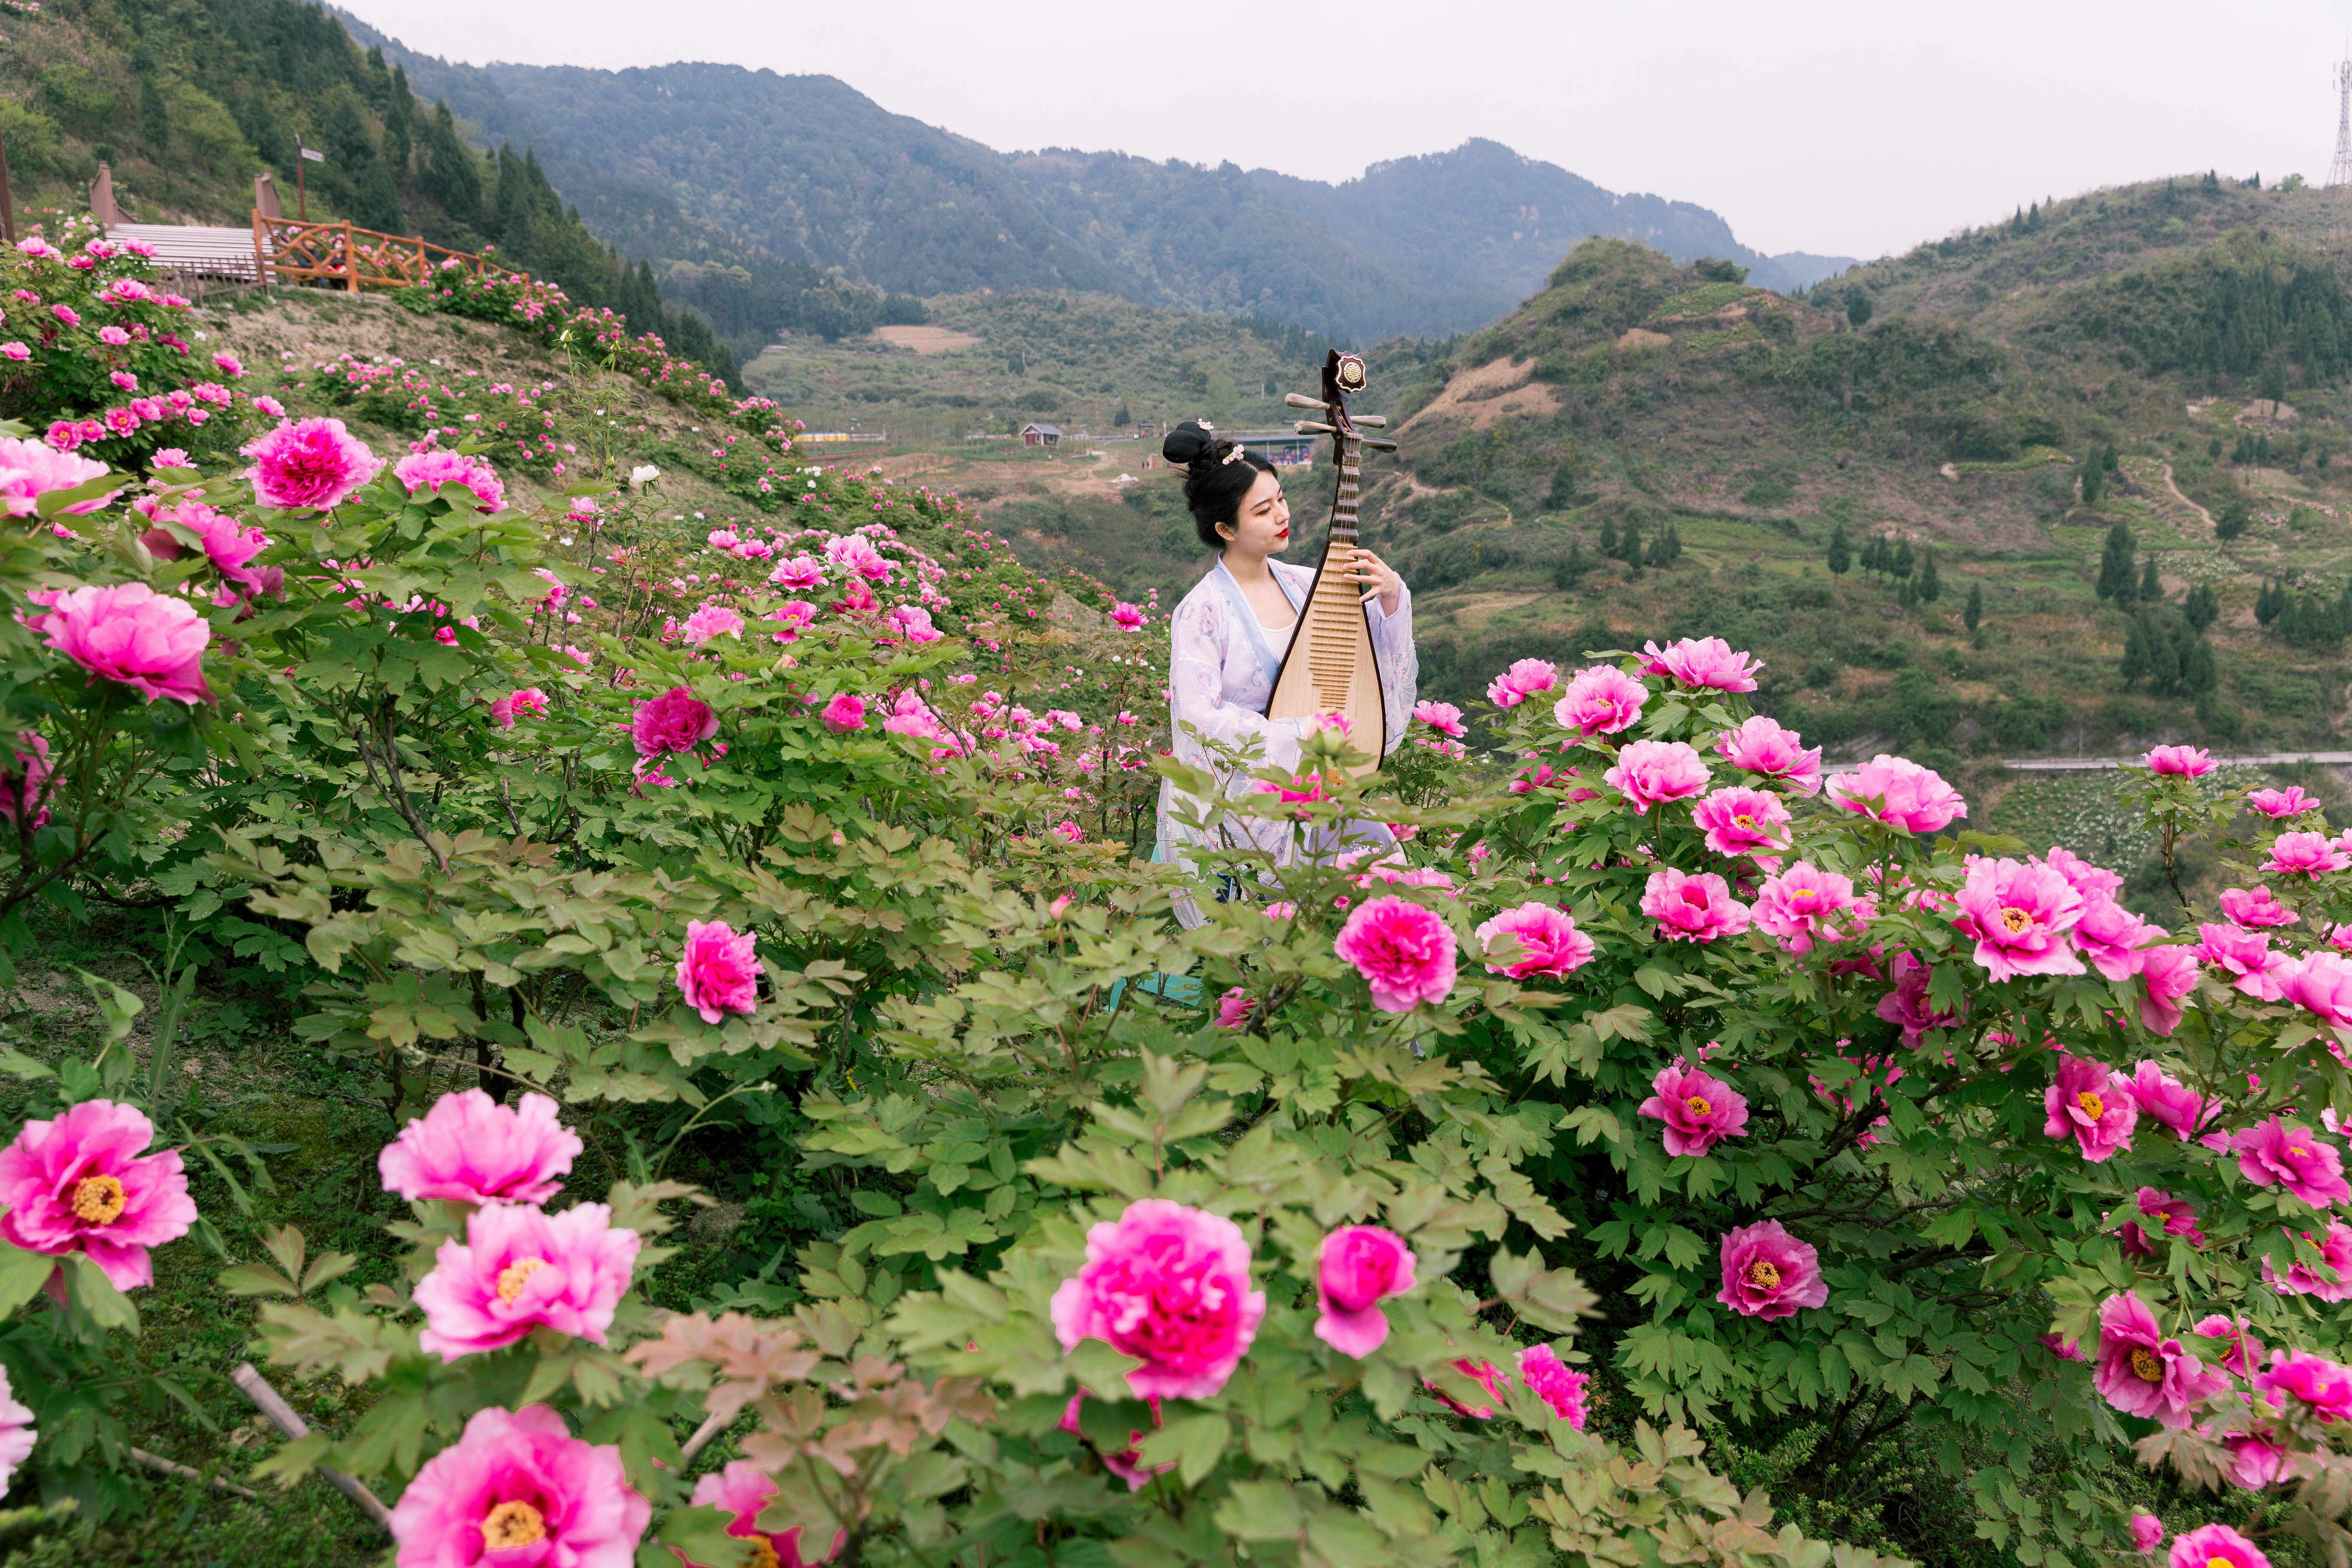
x=1188, y=442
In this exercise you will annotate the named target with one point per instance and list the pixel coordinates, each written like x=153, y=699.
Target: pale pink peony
x=2171, y=1104
x=2277, y=1153
x=1703, y=661
x=846, y=714
x=1405, y=951
x=1908, y=1005
x=1742, y=821
x=458, y=471
x=1692, y=908
x=1699, y=1111
x=2019, y=913
x=1767, y=1273
x=2215, y=1546
x=2331, y=1248
x=2313, y=1380
x=2278, y=803
x=2305, y=855
x=798, y=575
x=2167, y=974
x=30, y=470
x=677, y=720
x=469, y=1149
x=520, y=1267
x=2320, y=982
x=2256, y=909
x=1555, y=1382
x=1761, y=746
x=1653, y=773
x=1235, y=1007
x=1168, y=1284
x=2256, y=1461
x=83, y=1183
x=2147, y=1533
x=2246, y=958
x=710, y=621
x=2181, y=761
x=518, y=1488
x=2109, y=935
x=1521, y=682
x=1358, y=1267
x=132, y=634
x=2142, y=1373
x=1803, y=904
x=312, y=463
x=16, y=1433
x=1899, y=792
x=1599, y=701
x=718, y=972
x=2092, y=1104
x=2093, y=882
x=1549, y=942
x=1443, y=717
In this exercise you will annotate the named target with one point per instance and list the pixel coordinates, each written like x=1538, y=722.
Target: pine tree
x=1874, y=555
x=2203, y=607
x=1974, y=614
x=1931, y=584
x=2135, y=653
x=2203, y=676
x=2163, y=658
x=2268, y=603
x=2116, y=574
x=2151, y=587
x=1840, y=558
x=2110, y=459
x=154, y=121
x=2093, y=477
x=1629, y=545
x=449, y=174
x=1901, y=564
x=1905, y=594
x=1609, y=538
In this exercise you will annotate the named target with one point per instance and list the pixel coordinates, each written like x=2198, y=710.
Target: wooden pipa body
x=1329, y=666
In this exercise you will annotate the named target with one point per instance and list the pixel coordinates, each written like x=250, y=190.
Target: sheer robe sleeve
x=1400, y=665
x=1202, y=637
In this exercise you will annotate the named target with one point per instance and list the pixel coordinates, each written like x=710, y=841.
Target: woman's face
x=1263, y=527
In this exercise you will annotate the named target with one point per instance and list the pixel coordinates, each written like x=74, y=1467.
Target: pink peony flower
x=1127, y=617
x=677, y=720
x=2240, y=1353
x=520, y=1267
x=2256, y=910
x=1234, y=1009
x=2147, y=1533
x=1692, y=908
x=1652, y=773
x=1483, y=1373
x=1405, y=951
x=2290, y=802
x=1703, y=661
x=2321, y=983
x=2181, y=761
x=2141, y=1373
x=30, y=470
x=913, y=623
x=1699, y=1111
x=2174, y=1106
x=845, y=713
x=1521, y=682
x=2215, y=1544
x=2332, y=1249
x=1440, y=716
x=798, y=575
x=1127, y=1464
x=2256, y=1461
x=2092, y=1104
x=2168, y=973
x=1767, y=1273
x=742, y=1489
x=2275, y=1153
x=1358, y=1267
x=2304, y=854
x=1549, y=942
x=1555, y=1382
x=1742, y=821
x=1761, y=746
x=433, y=469
x=17, y=1434
x=25, y=787
x=1798, y=906
x=132, y=634
x=2178, y=1214
x=1908, y=1005
x=2246, y=957
x=83, y=1183
x=1168, y=1284
x=2019, y=914
x=1900, y=794
x=719, y=971
x=469, y=1149
x=312, y=463
x=711, y=621
x=2109, y=936
x=518, y=1488
x=1599, y=701
x=2315, y=1380
x=228, y=544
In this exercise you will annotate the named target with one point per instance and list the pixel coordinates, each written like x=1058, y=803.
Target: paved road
x=2086, y=765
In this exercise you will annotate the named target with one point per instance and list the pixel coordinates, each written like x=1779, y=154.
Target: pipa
x=1330, y=667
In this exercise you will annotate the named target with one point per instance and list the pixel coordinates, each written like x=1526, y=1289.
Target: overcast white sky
x=1834, y=126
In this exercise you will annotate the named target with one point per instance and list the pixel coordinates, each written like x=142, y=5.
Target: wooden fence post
x=351, y=260
x=260, y=263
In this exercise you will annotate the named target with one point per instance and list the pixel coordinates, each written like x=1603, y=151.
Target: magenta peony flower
x=1443, y=717
x=2177, y=1108
x=1555, y=1382
x=1908, y=1004
x=228, y=544
x=1699, y=1111
x=2256, y=910
x=1652, y=773
x=16, y=1433
x=1483, y=1373
x=2168, y=973
x=1767, y=1273
x=518, y=1488
x=1127, y=1464
x=1742, y=821
x=1692, y=908
x=30, y=470
x=1127, y=617
x=1799, y=906
x=1359, y=1266
x=2093, y=882
x=2181, y=761
x=134, y=635
x=2256, y=1461
x=1761, y=746
x=2240, y=1351
x=25, y=787
x=1521, y=682
x=1703, y=661
x=2147, y=1533
x=2092, y=1104
x=2332, y=1249
x=742, y=1489
x=846, y=714
x=2275, y=1153
x=1900, y=794
x=2304, y=854
x=469, y=1149
x=81, y=1184
x=2313, y=1379
x=1599, y=701
x=913, y=623
x=677, y=720
x=2109, y=936
x=1235, y=1007
x=1549, y=942
x=2019, y=914
x=2320, y=982
x=718, y=972
x=2141, y=1373
x=433, y=469
x=2212, y=1545
x=1168, y=1284
x=2246, y=957
x=1405, y=951
x=2276, y=802
x=2178, y=1215
x=519, y=1266
x=312, y=463
x=710, y=621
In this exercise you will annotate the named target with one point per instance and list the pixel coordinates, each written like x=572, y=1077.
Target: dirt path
x=2184, y=501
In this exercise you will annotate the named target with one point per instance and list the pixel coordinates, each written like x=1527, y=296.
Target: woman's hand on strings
x=1366, y=568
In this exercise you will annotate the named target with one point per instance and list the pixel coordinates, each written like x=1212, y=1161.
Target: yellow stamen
x=2092, y=1106
x=1698, y=1106
x=2219, y=1562
x=763, y=1553
x=512, y=1524
x=2018, y=921
x=97, y=1200
x=1804, y=893
x=2299, y=1154
x=2145, y=1365
x=511, y=1283
x=1744, y=820
x=1763, y=1276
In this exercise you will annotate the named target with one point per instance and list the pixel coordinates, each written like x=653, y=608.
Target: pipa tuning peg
x=1372, y=421
x=1300, y=400
x=1309, y=427
x=1380, y=444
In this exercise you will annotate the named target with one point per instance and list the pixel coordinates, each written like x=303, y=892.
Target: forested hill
x=815, y=173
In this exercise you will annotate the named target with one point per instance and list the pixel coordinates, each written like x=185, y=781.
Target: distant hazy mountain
x=814, y=171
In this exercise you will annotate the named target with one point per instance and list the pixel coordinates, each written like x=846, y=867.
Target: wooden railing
x=287, y=250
